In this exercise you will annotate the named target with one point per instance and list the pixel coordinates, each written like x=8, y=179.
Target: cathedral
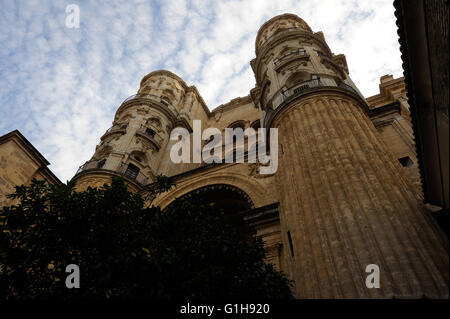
x=347, y=190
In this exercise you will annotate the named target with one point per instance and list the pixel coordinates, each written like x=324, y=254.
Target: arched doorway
x=231, y=200
x=251, y=215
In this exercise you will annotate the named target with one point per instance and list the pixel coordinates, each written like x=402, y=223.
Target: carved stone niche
x=144, y=145
x=154, y=122
x=139, y=157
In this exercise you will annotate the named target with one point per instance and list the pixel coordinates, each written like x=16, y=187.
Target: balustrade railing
x=92, y=164
x=123, y=170
x=138, y=176
x=348, y=88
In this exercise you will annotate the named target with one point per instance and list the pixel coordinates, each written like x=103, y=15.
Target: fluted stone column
x=347, y=205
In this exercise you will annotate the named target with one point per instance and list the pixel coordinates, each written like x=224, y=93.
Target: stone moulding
x=270, y=115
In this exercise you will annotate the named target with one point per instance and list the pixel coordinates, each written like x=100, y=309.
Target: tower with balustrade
x=134, y=147
x=344, y=204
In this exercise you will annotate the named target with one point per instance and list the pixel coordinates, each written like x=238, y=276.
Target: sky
x=60, y=86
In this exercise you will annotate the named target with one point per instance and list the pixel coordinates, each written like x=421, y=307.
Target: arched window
x=150, y=132
x=298, y=77
x=155, y=122
x=256, y=124
x=237, y=124
x=139, y=157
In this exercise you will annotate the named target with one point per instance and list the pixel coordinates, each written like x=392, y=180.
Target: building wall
x=341, y=194
x=20, y=162
x=391, y=116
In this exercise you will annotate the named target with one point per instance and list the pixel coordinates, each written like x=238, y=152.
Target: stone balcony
x=151, y=136
x=136, y=177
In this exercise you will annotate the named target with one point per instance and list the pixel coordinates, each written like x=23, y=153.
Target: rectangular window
x=132, y=171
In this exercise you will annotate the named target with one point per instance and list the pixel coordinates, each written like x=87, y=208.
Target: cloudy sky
x=60, y=87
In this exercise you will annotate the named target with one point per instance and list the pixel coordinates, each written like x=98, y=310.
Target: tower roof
x=279, y=23
x=166, y=73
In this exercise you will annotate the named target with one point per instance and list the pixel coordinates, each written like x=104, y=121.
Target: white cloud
x=60, y=87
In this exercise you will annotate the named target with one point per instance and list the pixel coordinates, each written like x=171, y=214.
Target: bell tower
x=134, y=146
x=344, y=202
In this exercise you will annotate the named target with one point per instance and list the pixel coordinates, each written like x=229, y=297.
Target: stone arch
x=236, y=124
x=254, y=190
x=222, y=187
x=140, y=157
x=297, y=77
x=142, y=144
x=253, y=148
x=155, y=122
x=229, y=200
x=256, y=124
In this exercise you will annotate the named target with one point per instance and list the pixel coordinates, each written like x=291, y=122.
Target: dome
x=164, y=73
x=277, y=24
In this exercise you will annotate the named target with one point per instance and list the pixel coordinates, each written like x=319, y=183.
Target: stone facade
x=346, y=193
x=20, y=162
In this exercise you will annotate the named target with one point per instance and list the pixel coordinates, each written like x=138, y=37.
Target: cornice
x=141, y=100
x=232, y=104
x=286, y=105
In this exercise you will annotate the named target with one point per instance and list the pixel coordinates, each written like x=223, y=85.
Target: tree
x=125, y=249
